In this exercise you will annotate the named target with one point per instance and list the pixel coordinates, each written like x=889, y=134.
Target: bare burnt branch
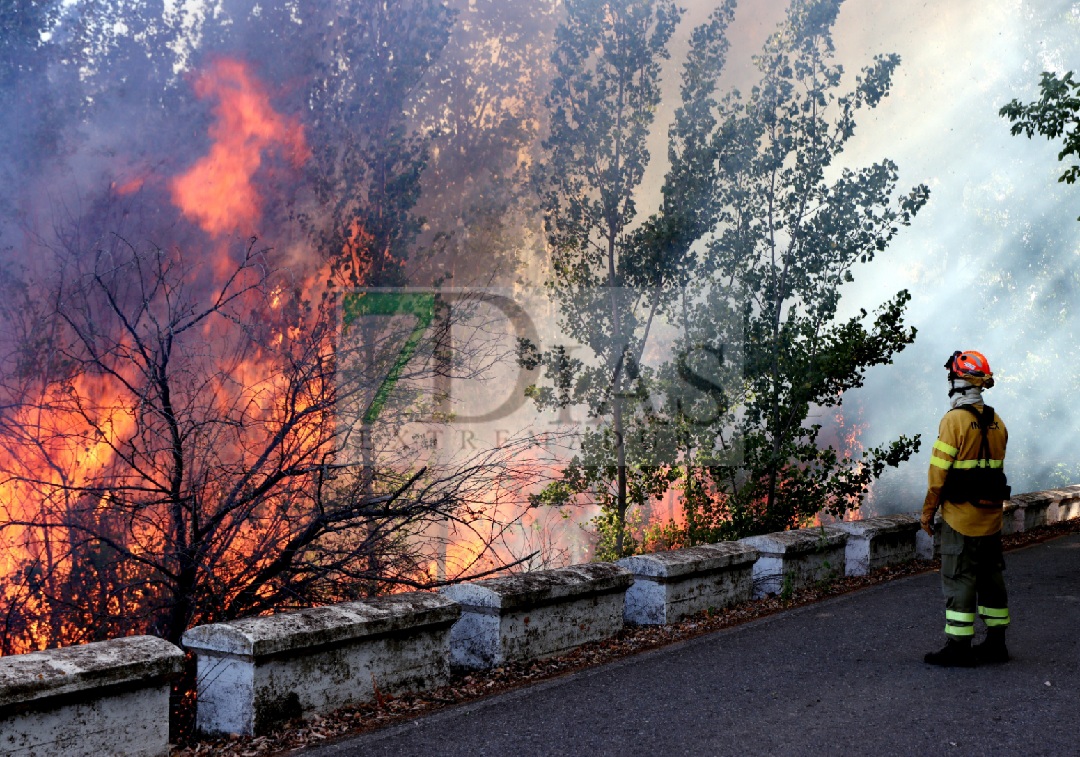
x=185, y=461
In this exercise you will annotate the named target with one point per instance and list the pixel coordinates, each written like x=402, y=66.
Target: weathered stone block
x=1061, y=504
x=795, y=559
x=532, y=615
x=669, y=586
x=1066, y=504
x=255, y=672
x=109, y=697
x=1068, y=508
x=1034, y=509
x=1012, y=517
x=874, y=543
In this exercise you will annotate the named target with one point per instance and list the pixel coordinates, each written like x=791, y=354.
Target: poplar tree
x=796, y=223
x=760, y=227
x=614, y=269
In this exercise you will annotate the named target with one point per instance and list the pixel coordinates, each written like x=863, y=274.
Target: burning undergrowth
x=176, y=444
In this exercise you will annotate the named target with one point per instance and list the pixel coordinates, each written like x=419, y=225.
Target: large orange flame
x=68, y=444
x=217, y=192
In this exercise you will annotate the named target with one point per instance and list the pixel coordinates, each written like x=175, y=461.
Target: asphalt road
x=840, y=677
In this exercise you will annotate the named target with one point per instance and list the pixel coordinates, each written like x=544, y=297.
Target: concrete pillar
x=107, y=698
x=669, y=586
x=256, y=672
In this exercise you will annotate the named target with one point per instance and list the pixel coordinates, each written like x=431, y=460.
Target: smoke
x=990, y=260
x=107, y=109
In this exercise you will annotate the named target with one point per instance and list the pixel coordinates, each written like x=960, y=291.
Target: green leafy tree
x=761, y=348
x=1056, y=114
x=794, y=224
x=614, y=270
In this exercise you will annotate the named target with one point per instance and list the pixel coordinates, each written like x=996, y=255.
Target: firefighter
x=967, y=481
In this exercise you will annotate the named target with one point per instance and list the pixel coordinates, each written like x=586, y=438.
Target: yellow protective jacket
x=957, y=447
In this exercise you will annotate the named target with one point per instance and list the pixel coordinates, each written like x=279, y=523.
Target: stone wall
x=112, y=697
x=669, y=586
x=874, y=543
x=533, y=615
x=255, y=673
x=790, y=560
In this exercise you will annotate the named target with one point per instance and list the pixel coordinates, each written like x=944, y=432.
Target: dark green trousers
x=972, y=580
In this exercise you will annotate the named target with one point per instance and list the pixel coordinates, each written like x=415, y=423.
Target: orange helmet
x=968, y=364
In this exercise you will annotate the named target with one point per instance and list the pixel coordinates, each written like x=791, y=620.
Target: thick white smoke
x=991, y=261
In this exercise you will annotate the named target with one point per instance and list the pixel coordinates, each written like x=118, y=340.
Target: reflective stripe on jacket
x=957, y=446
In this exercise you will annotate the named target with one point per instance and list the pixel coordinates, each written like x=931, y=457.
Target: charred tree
x=174, y=456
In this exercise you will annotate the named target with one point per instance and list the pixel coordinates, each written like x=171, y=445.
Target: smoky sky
x=991, y=261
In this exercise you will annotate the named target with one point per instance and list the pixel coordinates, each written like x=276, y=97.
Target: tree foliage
x=797, y=225
x=614, y=270
x=25, y=24
x=759, y=228
x=368, y=160
x=1056, y=114
x=484, y=110
x=28, y=121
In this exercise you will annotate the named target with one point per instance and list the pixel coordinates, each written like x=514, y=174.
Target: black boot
x=955, y=654
x=992, y=648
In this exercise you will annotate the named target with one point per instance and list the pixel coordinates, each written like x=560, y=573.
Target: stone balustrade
x=257, y=672
x=669, y=586
x=874, y=543
x=1027, y=511
x=109, y=697
x=532, y=615
x=1022, y=512
x=112, y=697
x=1068, y=507
x=790, y=560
